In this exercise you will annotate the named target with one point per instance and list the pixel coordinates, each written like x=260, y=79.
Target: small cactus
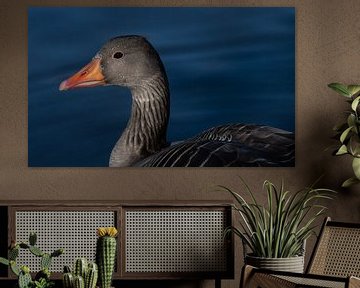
x=81, y=267
x=24, y=278
x=45, y=261
x=32, y=238
x=79, y=282
x=106, y=254
x=68, y=280
x=91, y=276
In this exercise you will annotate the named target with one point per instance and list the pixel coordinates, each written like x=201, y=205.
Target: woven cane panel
x=306, y=282
x=74, y=231
x=338, y=253
x=175, y=241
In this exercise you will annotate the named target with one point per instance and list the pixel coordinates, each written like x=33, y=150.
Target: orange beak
x=89, y=76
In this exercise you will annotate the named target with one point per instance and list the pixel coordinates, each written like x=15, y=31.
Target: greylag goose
x=131, y=61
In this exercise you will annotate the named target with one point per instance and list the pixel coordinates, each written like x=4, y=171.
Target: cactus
x=89, y=272
x=80, y=267
x=32, y=238
x=44, y=273
x=68, y=280
x=36, y=251
x=91, y=276
x=67, y=269
x=13, y=253
x=79, y=282
x=42, y=278
x=24, y=278
x=105, y=254
x=45, y=261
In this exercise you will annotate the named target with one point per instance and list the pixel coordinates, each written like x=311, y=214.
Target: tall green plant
x=106, y=254
x=279, y=229
x=349, y=131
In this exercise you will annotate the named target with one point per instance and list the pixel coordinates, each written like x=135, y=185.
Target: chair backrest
x=337, y=251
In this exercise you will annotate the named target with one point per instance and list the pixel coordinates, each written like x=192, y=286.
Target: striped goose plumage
x=131, y=61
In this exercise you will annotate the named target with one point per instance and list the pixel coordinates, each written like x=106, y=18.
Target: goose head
x=132, y=62
x=127, y=61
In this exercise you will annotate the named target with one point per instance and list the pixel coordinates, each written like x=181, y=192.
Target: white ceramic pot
x=291, y=264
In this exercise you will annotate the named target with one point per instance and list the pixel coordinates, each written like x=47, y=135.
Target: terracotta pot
x=291, y=264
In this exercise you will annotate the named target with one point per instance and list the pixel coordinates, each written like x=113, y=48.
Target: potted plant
x=349, y=131
x=84, y=274
x=42, y=278
x=87, y=274
x=276, y=233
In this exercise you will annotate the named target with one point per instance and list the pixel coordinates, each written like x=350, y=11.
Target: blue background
x=225, y=65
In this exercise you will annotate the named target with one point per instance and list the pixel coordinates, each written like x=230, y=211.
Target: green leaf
x=355, y=103
x=354, y=145
x=349, y=182
x=342, y=150
x=14, y=268
x=351, y=120
x=353, y=89
x=345, y=134
x=356, y=167
x=4, y=261
x=340, y=88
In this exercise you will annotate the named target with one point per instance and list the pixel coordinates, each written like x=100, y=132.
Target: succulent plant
x=25, y=279
x=85, y=275
x=91, y=276
x=81, y=266
x=42, y=278
x=68, y=278
x=79, y=282
x=106, y=254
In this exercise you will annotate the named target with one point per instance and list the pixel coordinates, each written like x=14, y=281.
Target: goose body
x=131, y=61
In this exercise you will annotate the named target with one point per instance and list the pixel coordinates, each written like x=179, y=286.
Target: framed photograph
x=161, y=87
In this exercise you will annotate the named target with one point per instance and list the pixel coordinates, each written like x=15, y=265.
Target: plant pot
x=291, y=264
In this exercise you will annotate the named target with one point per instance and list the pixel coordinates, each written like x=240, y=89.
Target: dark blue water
x=224, y=65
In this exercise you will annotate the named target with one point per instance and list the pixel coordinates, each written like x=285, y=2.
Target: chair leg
x=246, y=273
x=217, y=283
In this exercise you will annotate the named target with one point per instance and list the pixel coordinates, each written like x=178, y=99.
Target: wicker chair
x=334, y=263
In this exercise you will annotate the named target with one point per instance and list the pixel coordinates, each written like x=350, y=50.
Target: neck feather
x=145, y=133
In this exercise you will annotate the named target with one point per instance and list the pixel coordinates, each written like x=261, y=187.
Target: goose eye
x=118, y=55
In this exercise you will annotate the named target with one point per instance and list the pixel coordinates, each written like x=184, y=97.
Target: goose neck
x=145, y=133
